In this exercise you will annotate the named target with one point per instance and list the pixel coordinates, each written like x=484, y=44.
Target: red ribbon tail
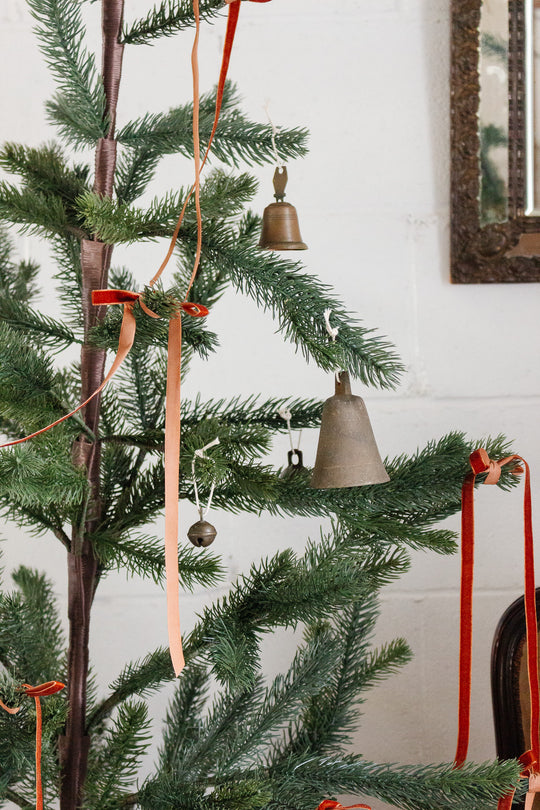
x=39, y=786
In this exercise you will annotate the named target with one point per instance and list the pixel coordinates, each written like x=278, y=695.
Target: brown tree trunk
x=82, y=563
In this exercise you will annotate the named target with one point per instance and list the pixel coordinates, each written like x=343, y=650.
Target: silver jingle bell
x=202, y=534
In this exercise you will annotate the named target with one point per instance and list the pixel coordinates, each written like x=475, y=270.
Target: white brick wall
x=370, y=80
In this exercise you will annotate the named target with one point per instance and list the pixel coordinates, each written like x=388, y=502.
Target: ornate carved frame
x=501, y=252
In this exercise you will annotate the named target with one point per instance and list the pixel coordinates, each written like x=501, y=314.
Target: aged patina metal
x=202, y=534
x=347, y=454
x=280, y=229
x=295, y=463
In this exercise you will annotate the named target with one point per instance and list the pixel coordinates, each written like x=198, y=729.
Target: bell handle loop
x=343, y=384
x=298, y=463
x=280, y=181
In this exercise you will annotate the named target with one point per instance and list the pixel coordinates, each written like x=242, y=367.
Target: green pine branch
x=328, y=718
x=167, y=19
x=44, y=169
x=114, y=765
x=305, y=413
x=279, y=592
x=36, y=478
x=236, y=139
x=17, y=279
x=47, y=331
x=137, y=678
x=411, y=787
x=79, y=106
x=66, y=251
x=31, y=637
x=184, y=719
x=283, y=591
x=144, y=556
x=31, y=391
x=38, y=520
x=298, y=301
x=222, y=195
x=151, y=332
x=308, y=675
x=36, y=212
x=134, y=171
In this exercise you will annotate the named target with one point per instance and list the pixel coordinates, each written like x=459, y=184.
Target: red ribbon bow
x=37, y=692
x=481, y=463
x=329, y=804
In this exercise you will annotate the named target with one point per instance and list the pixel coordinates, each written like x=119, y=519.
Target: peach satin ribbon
x=37, y=692
x=172, y=440
x=481, y=463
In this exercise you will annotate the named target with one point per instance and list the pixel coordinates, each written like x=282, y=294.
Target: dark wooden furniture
x=509, y=681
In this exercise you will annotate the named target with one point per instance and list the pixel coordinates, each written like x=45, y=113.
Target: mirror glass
x=493, y=111
x=532, y=106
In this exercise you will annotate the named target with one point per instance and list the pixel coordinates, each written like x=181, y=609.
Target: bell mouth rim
x=350, y=486
x=284, y=246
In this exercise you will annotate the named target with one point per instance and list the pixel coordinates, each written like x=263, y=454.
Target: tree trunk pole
x=82, y=563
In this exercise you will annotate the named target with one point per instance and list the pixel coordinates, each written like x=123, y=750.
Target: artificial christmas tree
x=95, y=480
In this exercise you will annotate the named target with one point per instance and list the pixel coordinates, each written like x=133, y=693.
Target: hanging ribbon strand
x=37, y=692
x=481, y=463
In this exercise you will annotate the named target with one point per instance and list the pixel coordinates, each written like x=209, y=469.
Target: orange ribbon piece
x=37, y=692
x=534, y=788
x=480, y=464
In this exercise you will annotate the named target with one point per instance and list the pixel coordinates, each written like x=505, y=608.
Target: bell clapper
x=202, y=533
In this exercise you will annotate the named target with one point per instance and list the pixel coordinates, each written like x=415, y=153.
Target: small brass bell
x=347, y=455
x=280, y=229
x=202, y=534
x=295, y=464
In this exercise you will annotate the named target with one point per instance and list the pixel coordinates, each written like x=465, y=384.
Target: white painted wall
x=370, y=80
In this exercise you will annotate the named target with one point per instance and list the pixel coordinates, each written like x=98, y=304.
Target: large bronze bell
x=280, y=229
x=347, y=455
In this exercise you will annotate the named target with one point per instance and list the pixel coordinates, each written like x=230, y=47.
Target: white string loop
x=275, y=133
x=286, y=415
x=333, y=331
x=201, y=453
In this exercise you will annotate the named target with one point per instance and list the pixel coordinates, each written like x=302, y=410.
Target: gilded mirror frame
x=506, y=251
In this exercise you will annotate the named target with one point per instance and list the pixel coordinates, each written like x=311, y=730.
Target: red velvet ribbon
x=480, y=464
x=37, y=692
x=328, y=804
